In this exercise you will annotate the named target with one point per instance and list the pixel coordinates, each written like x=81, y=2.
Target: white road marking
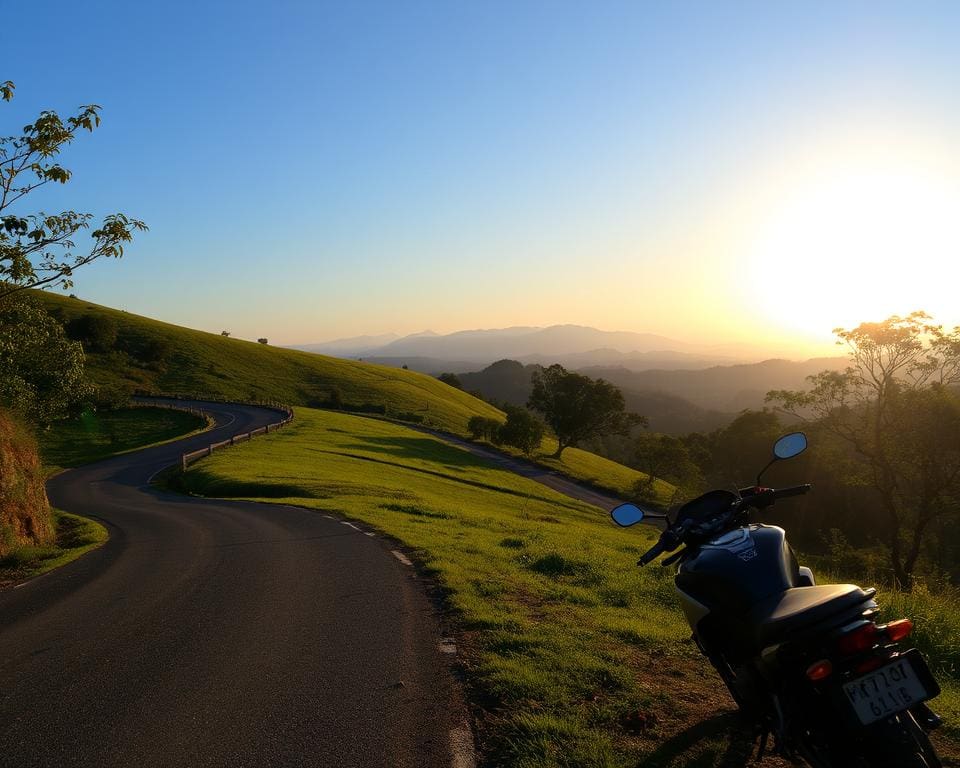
x=447, y=645
x=350, y=525
x=461, y=748
x=370, y=534
x=401, y=557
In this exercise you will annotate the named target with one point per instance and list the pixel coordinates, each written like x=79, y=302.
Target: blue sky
x=313, y=170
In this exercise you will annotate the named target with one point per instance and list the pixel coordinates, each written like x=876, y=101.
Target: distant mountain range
x=675, y=402
x=573, y=346
x=678, y=386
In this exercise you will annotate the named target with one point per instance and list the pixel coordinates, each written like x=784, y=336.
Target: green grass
x=210, y=364
x=94, y=436
x=568, y=644
x=936, y=620
x=75, y=537
x=594, y=470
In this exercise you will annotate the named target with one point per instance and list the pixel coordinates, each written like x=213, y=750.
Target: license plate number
x=885, y=692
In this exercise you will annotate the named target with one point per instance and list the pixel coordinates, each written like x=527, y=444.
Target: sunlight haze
x=743, y=174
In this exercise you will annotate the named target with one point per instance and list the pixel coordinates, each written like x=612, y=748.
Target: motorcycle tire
x=901, y=743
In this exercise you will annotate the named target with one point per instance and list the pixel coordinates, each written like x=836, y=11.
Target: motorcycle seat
x=776, y=617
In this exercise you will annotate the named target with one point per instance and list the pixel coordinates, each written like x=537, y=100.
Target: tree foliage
x=522, y=430
x=483, y=428
x=97, y=333
x=577, y=407
x=41, y=371
x=896, y=405
x=451, y=379
x=38, y=250
x=665, y=458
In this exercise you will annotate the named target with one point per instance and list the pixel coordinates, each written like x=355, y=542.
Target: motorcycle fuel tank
x=737, y=570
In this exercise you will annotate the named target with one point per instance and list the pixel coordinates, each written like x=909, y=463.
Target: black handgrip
x=651, y=554
x=795, y=490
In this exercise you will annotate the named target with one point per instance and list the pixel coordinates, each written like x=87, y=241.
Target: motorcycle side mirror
x=790, y=445
x=626, y=515
x=786, y=447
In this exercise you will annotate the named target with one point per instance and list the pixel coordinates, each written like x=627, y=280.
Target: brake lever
x=674, y=557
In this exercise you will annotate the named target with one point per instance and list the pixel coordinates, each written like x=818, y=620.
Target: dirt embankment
x=25, y=516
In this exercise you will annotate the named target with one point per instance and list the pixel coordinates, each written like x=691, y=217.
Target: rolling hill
x=160, y=357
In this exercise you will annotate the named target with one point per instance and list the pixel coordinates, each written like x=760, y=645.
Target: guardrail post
x=183, y=462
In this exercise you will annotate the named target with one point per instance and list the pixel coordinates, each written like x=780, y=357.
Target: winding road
x=216, y=633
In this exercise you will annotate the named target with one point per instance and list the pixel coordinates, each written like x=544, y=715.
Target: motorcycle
x=812, y=665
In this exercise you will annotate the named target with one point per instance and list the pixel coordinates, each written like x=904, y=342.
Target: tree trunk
x=560, y=447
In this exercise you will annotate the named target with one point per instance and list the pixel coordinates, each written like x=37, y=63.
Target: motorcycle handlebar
x=794, y=490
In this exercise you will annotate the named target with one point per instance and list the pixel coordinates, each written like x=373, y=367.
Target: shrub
x=522, y=430
x=451, y=379
x=97, y=333
x=483, y=428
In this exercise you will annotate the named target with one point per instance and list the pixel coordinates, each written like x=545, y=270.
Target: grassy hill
x=137, y=352
x=161, y=357
x=574, y=657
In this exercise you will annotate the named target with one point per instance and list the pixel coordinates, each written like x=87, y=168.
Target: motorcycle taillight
x=898, y=630
x=861, y=639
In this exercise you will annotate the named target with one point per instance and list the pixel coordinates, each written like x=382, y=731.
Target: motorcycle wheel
x=899, y=742
x=902, y=743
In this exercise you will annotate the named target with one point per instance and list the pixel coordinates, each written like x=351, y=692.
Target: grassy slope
x=205, y=363
x=560, y=630
x=94, y=436
x=75, y=536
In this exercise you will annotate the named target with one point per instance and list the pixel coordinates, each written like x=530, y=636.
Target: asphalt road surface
x=214, y=633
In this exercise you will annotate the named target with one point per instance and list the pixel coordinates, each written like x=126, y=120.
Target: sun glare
x=844, y=247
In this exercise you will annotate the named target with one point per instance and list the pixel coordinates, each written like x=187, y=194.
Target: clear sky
x=716, y=172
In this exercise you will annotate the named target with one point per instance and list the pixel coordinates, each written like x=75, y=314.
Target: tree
x=452, y=379
x=665, y=458
x=98, y=333
x=896, y=406
x=38, y=250
x=522, y=429
x=41, y=371
x=483, y=428
x=262, y=341
x=577, y=407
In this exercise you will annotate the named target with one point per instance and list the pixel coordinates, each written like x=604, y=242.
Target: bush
x=523, y=430
x=97, y=333
x=156, y=350
x=482, y=428
x=110, y=398
x=451, y=379
x=262, y=341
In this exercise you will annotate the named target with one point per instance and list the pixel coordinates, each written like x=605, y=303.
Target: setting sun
x=858, y=241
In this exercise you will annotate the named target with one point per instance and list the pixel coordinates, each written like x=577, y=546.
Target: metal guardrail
x=187, y=459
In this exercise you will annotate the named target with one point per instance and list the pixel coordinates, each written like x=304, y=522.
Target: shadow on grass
x=213, y=485
x=721, y=741
x=419, y=448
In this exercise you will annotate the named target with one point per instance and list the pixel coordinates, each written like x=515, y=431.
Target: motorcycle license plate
x=886, y=691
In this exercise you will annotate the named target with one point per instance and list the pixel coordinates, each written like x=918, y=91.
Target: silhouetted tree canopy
x=577, y=407
x=895, y=406
x=452, y=379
